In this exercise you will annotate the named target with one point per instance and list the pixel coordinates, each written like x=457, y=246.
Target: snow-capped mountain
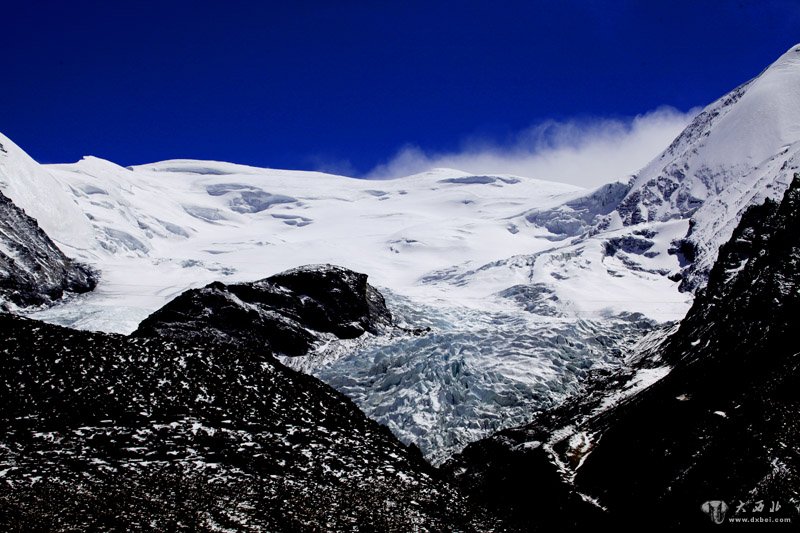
x=192, y=222
x=525, y=284
x=739, y=150
x=158, y=230
x=439, y=241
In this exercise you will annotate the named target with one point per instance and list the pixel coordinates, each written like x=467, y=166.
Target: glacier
x=518, y=313
x=525, y=284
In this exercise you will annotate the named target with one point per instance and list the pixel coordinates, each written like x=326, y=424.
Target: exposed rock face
x=33, y=271
x=286, y=313
x=721, y=426
x=102, y=431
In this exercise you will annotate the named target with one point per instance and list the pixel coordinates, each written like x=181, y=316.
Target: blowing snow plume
x=581, y=152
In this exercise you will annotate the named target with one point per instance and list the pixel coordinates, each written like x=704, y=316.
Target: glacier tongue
x=473, y=373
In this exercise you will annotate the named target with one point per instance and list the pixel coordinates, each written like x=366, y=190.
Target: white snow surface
x=34, y=189
x=442, y=238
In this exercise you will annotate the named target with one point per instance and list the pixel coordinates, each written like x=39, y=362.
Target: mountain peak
x=738, y=151
x=792, y=56
x=33, y=189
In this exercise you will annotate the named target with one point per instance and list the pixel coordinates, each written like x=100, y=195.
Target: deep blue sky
x=297, y=84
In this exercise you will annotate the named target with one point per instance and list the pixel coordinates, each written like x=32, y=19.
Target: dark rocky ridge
x=722, y=425
x=105, y=432
x=33, y=271
x=286, y=313
x=192, y=424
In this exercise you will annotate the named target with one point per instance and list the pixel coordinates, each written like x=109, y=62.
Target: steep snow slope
x=34, y=190
x=741, y=149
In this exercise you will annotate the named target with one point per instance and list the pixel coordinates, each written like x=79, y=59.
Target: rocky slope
x=707, y=415
x=102, y=431
x=33, y=271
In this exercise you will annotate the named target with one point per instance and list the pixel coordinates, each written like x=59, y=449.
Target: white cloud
x=582, y=152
